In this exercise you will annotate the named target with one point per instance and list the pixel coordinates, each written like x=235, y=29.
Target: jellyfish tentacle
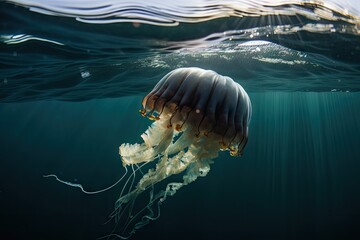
x=152, y=146
x=78, y=185
x=183, y=160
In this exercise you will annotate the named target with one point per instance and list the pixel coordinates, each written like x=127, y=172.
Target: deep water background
x=298, y=178
x=72, y=77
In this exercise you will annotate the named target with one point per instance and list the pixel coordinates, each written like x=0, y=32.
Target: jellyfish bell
x=196, y=113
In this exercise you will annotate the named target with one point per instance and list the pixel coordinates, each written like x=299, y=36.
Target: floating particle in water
x=85, y=74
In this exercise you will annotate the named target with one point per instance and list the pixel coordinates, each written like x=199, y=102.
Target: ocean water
x=72, y=77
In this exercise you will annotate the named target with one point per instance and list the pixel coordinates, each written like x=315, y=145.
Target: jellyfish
x=195, y=113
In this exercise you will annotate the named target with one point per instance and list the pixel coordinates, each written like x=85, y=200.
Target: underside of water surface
x=73, y=51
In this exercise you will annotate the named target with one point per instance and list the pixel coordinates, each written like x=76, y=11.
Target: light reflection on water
x=116, y=48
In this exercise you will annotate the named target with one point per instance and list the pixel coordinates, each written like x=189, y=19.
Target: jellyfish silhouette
x=196, y=113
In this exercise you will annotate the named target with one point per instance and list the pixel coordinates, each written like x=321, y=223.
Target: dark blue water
x=70, y=93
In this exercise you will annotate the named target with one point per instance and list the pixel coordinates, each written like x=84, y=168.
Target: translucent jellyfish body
x=196, y=113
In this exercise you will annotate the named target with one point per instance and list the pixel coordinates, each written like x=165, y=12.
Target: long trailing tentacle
x=78, y=185
x=195, y=160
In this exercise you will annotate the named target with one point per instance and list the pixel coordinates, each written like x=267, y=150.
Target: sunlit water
x=72, y=76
